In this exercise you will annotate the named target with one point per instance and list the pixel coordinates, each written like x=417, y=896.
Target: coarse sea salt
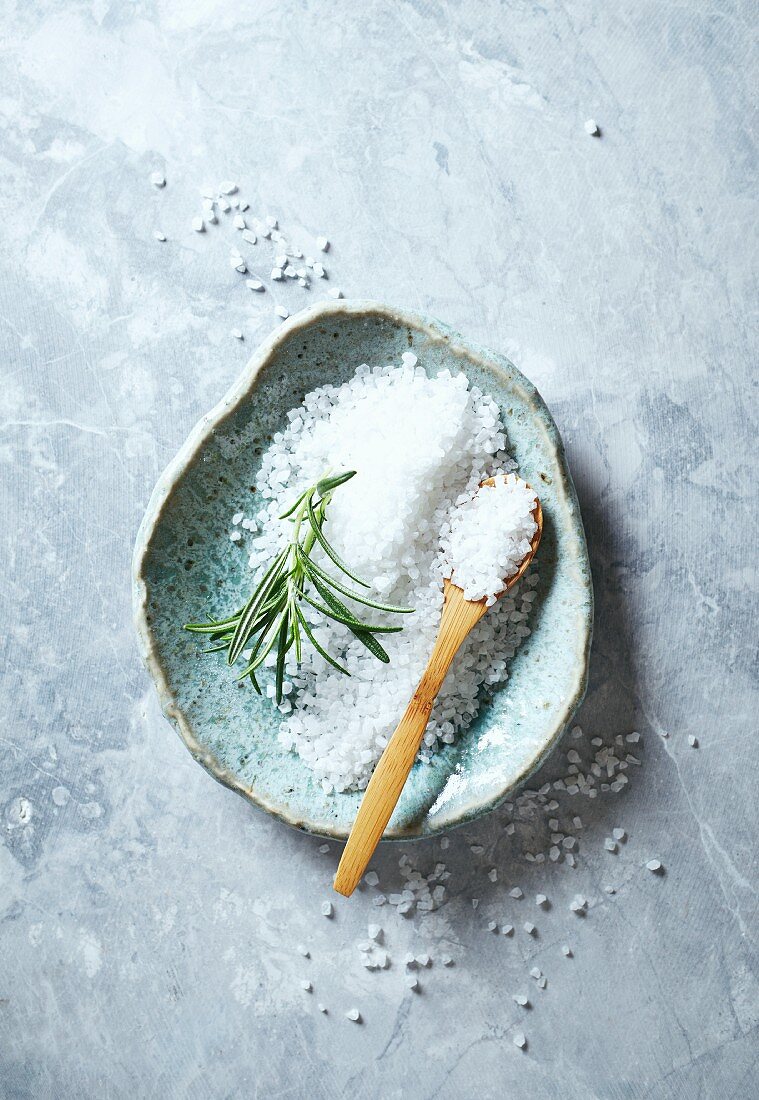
x=490, y=537
x=421, y=446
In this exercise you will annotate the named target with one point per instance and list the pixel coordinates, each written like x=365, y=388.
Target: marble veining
x=149, y=918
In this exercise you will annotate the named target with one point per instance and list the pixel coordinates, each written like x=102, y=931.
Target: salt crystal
x=159, y=236
x=326, y=908
x=492, y=926
x=591, y=127
x=254, y=284
x=249, y=236
x=238, y=221
x=540, y=899
x=227, y=187
x=535, y=972
x=276, y=273
x=306, y=984
x=493, y=875
x=412, y=981
x=446, y=960
x=516, y=892
x=654, y=865
x=371, y=878
x=542, y=982
x=610, y=845
x=303, y=950
x=529, y=928
x=444, y=842
x=409, y=359
x=520, y=1040
x=237, y=333
x=321, y=1007
x=375, y=931
x=619, y=834
x=197, y=225
x=353, y=1014
x=335, y=292
x=282, y=312
x=566, y=950
x=578, y=904
x=692, y=741
x=324, y=848
x=521, y=999
x=323, y=244
x=507, y=929
x=158, y=179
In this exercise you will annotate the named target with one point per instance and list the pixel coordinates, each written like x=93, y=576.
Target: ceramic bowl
x=183, y=552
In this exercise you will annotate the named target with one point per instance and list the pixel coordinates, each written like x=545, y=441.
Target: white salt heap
x=490, y=537
x=420, y=446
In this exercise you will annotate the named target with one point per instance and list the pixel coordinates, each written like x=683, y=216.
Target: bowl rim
x=240, y=389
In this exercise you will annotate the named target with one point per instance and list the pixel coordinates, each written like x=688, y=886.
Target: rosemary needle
x=273, y=617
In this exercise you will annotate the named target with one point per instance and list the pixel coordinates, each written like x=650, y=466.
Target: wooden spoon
x=459, y=617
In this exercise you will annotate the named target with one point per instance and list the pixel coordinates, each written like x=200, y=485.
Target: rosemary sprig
x=274, y=617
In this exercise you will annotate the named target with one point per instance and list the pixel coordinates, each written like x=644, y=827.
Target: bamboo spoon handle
x=392, y=771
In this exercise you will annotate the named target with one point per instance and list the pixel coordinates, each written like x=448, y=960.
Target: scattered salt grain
x=159, y=236
x=282, y=312
x=542, y=982
x=541, y=900
x=529, y=928
x=619, y=834
x=198, y=225
x=371, y=878
x=249, y=236
x=276, y=273
x=324, y=848
x=516, y=892
x=227, y=187
x=306, y=984
x=158, y=179
x=492, y=926
x=536, y=972
x=237, y=333
x=254, y=284
x=354, y=1015
x=578, y=904
x=223, y=204
x=409, y=359
x=507, y=929
x=375, y=931
x=326, y=908
x=591, y=127
x=655, y=866
x=493, y=875
x=322, y=1008
x=238, y=221
x=521, y=999
x=303, y=950
x=610, y=845
x=335, y=292
x=693, y=741
x=446, y=960
x=566, y=950
x=322, y=243
x=444, y=842
x=520, y=1040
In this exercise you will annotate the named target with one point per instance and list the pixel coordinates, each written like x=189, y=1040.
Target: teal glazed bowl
x=183, y=559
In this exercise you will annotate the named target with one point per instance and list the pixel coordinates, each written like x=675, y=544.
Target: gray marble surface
x=149, y=918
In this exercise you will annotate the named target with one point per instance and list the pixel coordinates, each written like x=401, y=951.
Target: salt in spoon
x=459, y=617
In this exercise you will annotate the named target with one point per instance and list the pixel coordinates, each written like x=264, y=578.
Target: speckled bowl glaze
x=185, y=565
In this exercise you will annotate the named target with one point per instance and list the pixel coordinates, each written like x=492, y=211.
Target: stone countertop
x=150, y=918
